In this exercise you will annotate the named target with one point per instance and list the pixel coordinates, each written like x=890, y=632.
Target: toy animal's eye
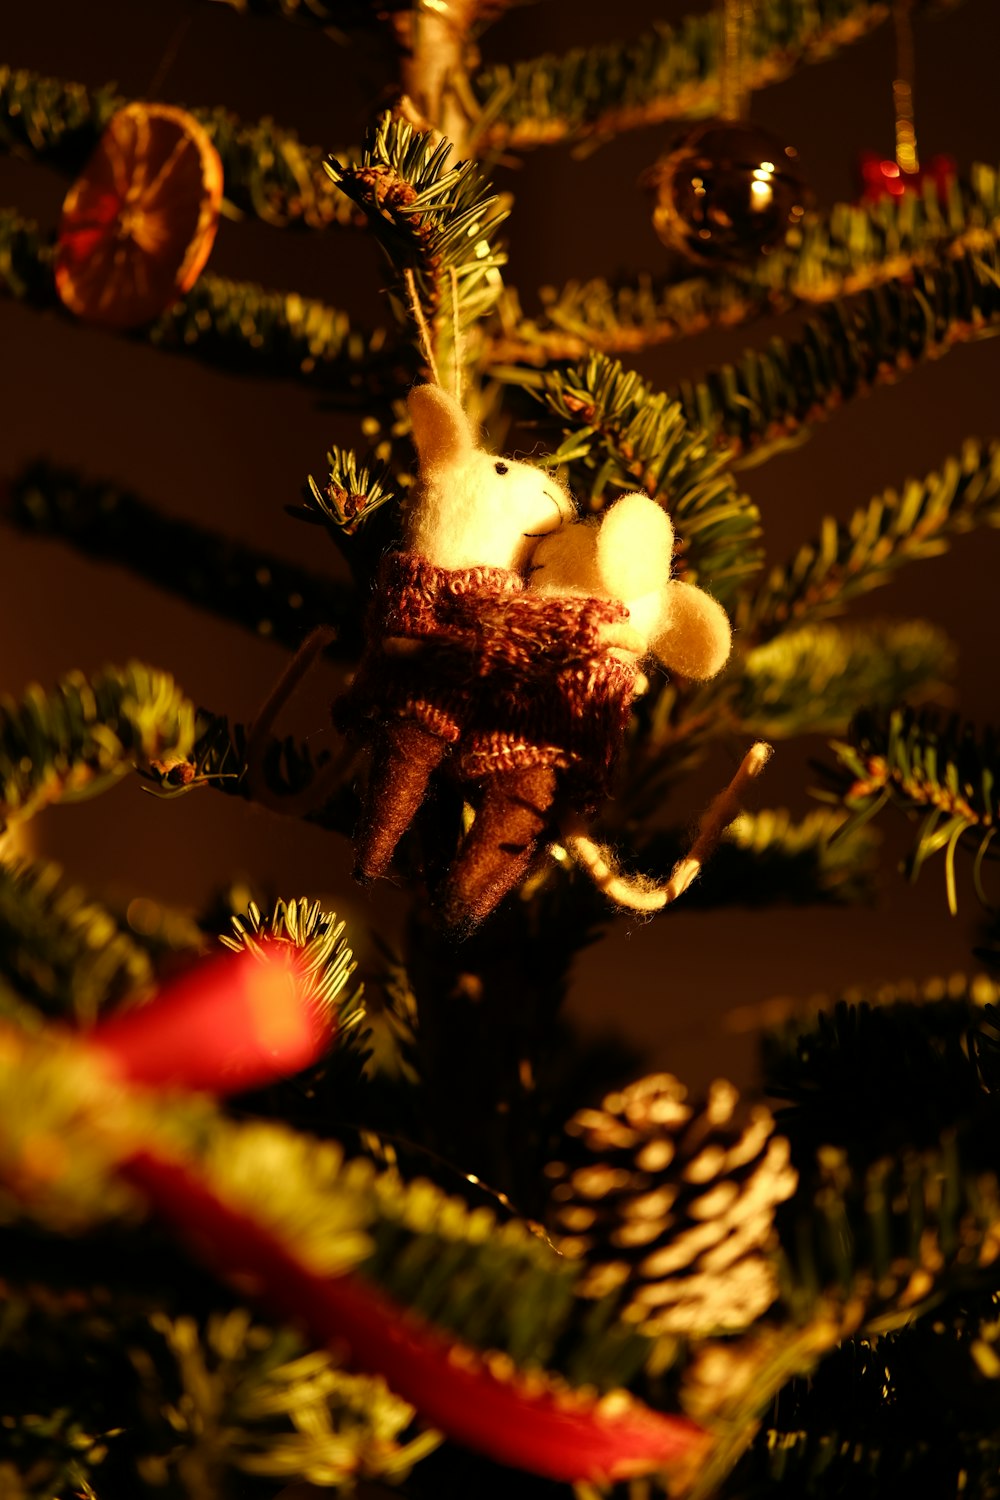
x=500, y=468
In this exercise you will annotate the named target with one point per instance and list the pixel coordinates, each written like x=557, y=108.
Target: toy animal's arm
x=695, y=636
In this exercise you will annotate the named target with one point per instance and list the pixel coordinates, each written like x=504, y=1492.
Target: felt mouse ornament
x=564, y=720
x=625, y=554
x=519, y=694
x=451, y=625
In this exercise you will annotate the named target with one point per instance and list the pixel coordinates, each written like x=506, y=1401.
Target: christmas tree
x=432, y=1185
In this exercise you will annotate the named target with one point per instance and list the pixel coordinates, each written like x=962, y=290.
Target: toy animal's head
x=625, y=554
x=472, y=508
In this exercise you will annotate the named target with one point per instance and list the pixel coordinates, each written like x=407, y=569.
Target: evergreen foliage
x=268, y=172
x=848, y=249
x=668, y=73
x=159, y=1244
x=767, y=858
x=850, y=558
x=889, y=1119
x=813, y=679
x=941, y=772
x=352, y=492
x=621, y=435
x=851, y=347
x=437, y=222
x=221, y=574
x=912, y=1409
x=289, y=771
x=86, y=733
x=225, y=323
x=63, y=951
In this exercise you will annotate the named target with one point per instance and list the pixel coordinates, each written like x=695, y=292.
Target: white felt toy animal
x=520, y=695
x=437, y=625
x=471, y=508
x=548, y=766
x=626, y=555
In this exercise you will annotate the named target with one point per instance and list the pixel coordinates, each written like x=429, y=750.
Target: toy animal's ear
x=634, y=546
x=696, y=634
x=441, y=430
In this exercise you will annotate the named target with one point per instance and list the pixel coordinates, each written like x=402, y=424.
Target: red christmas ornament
x=231, y=1024
x=882, y=177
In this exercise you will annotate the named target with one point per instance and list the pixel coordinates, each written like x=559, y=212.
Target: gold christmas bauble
x=727, y=193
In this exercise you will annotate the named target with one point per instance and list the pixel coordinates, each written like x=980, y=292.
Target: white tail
x=636, y=892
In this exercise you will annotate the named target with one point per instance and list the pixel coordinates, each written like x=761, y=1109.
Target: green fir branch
x=914, y=1410
x=51, y=118
x=268, y=171
x=897, y=1201
x=943, y=773
x=773, y=397
x=892, y=1126
x=845, y=250
x=854, y=246
x=813, y=679
x=493, y=1285
x=255, y=1402
x=46, y=1453
x=622, y=435
x=276, y=600
x=230, y=325
x=367, y=1082
x=828, y=1049
x=244, y=327
x=394, y=1022
x=670, y=73
x=765, y=858
x=26, y=261
x=324, y=961
x=894, y=528
x=62, y=950
x=768, y=858
x=289, y=776
x=437, y=222
x=202, y=1401
x=351, y=493
x=622, y=316
x=86, y=733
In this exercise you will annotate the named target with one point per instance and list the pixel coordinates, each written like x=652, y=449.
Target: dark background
x=233, y=452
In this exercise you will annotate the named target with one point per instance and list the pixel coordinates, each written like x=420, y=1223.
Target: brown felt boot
x=499, y=846
x=403, y=760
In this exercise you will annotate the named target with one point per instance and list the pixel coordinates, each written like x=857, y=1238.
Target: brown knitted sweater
x=510, y=679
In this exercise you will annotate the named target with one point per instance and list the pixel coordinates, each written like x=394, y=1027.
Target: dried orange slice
x=138, y=225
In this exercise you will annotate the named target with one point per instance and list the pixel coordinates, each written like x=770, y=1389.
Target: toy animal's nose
x=562, y=503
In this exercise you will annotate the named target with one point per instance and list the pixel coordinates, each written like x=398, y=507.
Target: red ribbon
x=561, y=1436
x=236, y=1023
x=231, y=1024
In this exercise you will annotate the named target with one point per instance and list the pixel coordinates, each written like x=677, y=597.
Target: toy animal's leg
x=500, y=844
x=403, y=760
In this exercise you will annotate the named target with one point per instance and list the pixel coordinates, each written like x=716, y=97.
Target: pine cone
x=674, y=1204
